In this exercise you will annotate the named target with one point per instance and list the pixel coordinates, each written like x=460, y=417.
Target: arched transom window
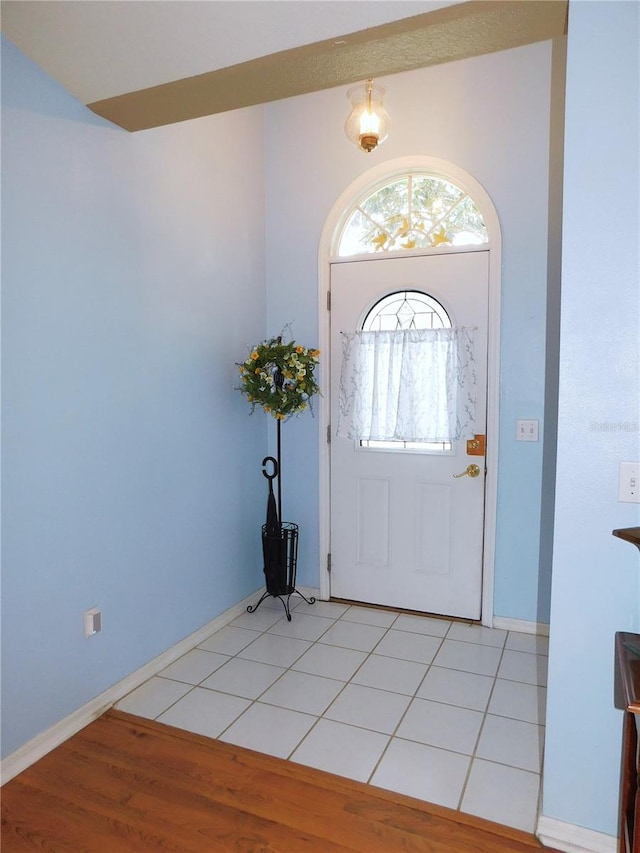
x=415, y=211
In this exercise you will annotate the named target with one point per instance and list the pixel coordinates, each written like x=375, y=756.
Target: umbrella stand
x=279, y=543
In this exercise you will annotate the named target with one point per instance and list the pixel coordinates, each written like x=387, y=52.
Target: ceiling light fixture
x=368, y=123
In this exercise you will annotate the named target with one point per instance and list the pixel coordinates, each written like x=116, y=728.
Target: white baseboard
x=52, y=737
x=539, y=628
x=573, y=839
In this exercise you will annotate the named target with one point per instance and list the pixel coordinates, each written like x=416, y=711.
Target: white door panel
x=404, y=531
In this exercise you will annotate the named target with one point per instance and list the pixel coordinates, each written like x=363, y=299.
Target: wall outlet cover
x=92, y=621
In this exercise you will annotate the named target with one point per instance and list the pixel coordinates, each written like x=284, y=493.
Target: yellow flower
x=255, y=356
x=279, y=415
x=299, y=350
x=314, y=353
x=257, y=370
x=267, y=408
x=438, y=238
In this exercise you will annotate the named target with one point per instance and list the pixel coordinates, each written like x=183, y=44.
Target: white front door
x=406, y=531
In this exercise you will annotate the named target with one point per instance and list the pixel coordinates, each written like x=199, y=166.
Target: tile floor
x=445, y=711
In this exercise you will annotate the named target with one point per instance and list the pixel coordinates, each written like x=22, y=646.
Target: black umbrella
x=272, y=523
x=273, y=542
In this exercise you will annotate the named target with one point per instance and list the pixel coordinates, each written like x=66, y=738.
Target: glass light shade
x=368, y=122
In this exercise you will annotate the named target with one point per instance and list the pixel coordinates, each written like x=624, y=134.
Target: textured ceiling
x=102, y=48
x=146, y=63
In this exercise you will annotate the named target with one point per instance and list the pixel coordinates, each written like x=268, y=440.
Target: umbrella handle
x=266, y=460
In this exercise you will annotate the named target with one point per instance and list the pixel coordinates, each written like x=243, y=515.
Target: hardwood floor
x=125, y=784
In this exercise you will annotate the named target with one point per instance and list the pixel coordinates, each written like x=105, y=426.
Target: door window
x=406, y=309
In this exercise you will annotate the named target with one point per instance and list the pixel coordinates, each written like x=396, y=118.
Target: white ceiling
x=99, y=49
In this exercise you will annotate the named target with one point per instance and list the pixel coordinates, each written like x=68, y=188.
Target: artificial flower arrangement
x=280, y=377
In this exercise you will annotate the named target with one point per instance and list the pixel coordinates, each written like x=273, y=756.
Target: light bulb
x=368, y=123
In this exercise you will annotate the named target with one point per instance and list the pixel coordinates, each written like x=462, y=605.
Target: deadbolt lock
x=476, y=445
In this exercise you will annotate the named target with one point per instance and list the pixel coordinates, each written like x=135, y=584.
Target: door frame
x=326, y=257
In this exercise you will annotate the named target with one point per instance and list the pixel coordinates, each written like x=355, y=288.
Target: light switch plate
x=629, y=482
x=526, y=430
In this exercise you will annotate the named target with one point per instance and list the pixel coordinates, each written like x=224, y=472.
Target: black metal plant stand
x=279, y=544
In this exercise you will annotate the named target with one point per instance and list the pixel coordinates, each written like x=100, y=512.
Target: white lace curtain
x=412, y=385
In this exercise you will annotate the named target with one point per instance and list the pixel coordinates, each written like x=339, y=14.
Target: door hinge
x=329, y=434
x=328, y=300
x=329, y=563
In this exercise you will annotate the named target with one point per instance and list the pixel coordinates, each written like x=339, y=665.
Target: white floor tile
x=399, y=676
x=204, y=712
x=275, y=603
x=246, y=678
x=303, y=626
x=468, y=657
x=353, y=635
x=194, y=667
x=477, y=634
x=153, y=697
x=229, y=640
x=520, y=701
x=444, y=726
x=394, y=698
x=401, y=644
x=338, y=748
x=422, y=771
x=503, y=794
x=263, y=618
x=370, y=616
x=521, y=666
x=511, y=742
x=422, y=625
x=330, y=661
x=532, y=643
x=274, y=731
x=276, y=650
x=368, y=708
x=330, y=609
x=454, y=687
x=300, y=691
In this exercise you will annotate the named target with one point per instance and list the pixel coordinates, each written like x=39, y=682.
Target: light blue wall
x=595, y=576
x=133, y=279
x=490, y=115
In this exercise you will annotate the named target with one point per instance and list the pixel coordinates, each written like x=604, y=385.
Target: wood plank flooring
x=125, y=784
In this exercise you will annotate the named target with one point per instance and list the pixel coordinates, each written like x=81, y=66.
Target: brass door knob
x=470, y=471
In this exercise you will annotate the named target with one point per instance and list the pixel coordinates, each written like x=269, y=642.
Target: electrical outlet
x=629, y=482
x=526, y=430
x=92, y=621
